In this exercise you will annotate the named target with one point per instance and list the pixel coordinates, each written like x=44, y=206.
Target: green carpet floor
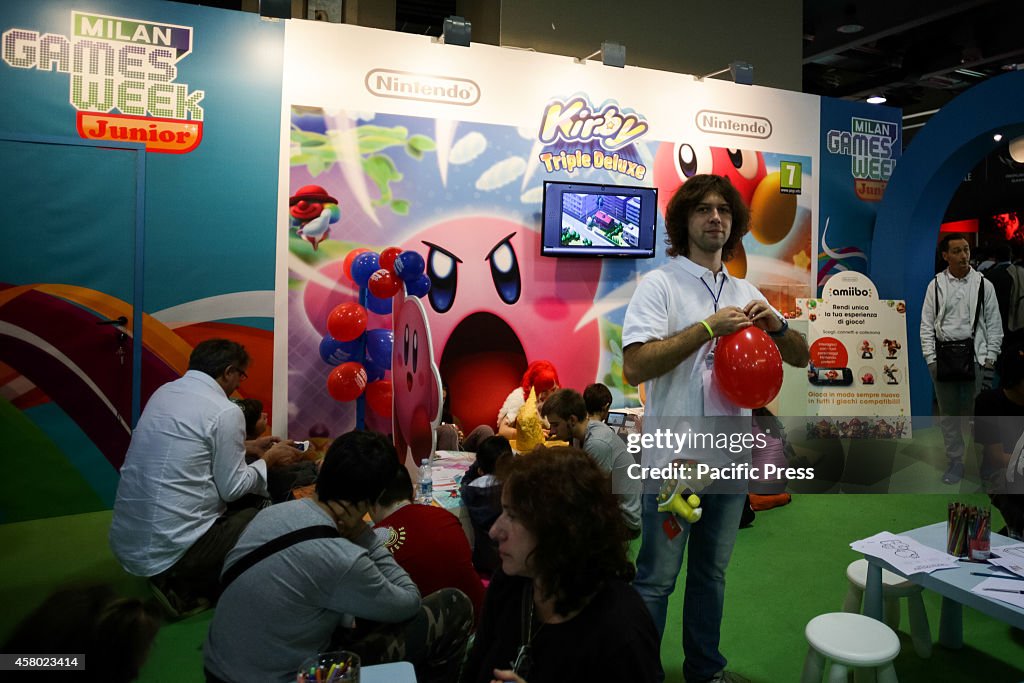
x=786, y=569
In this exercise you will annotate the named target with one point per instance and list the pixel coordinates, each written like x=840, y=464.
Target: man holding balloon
x=707, y=345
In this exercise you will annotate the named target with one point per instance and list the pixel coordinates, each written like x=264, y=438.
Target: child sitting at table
x=281, y=481
x=481, y=494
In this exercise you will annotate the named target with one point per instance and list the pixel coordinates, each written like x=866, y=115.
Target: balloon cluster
x=362, y=357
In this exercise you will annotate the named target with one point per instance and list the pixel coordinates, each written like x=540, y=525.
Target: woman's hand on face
x=501, y=675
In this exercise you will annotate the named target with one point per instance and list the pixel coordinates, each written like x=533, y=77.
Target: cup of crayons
x=969, y=532
x=340, y=666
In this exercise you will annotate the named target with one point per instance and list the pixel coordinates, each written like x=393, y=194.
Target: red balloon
x=383, y=284
x=379, y=397
x=346, y=266
x=347, y=381
x=387, y=258
x=347, y=321
x=748, y=367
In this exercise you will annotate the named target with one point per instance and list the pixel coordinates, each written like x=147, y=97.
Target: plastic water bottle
x=426, y=483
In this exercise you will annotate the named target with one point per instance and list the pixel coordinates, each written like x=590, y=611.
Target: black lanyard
x=710, y=357
x=714, y=297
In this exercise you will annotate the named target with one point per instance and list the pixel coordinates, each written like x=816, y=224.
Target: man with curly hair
x=672, y=326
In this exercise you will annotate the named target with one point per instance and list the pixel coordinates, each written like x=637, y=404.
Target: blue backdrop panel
x=934, y=164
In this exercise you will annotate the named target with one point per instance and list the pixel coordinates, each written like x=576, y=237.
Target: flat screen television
x=587, y=219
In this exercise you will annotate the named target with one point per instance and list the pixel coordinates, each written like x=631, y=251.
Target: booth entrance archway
x=926, y=177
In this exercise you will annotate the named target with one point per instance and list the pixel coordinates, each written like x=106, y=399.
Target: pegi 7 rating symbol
x=791, y=179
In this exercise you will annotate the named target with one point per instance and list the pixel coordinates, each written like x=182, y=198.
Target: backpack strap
x=269, y=548
x=977, y=309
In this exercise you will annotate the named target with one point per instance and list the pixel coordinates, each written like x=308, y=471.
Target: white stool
x=894, y=587
x=849, y=641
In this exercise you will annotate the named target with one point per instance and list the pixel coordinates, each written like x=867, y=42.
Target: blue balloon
x=409, y=265
x=378, y=305
x=374, y=372
x=334, y=352
x=363, y=266
x=378, y=347
x=418, y=287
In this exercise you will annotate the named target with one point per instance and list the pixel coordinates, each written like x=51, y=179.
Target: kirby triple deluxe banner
x=393, y=143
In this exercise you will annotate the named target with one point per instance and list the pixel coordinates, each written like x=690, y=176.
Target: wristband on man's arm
x=707, y=327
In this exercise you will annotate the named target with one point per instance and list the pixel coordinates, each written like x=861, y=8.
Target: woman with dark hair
x=561, y=608
x=542, y=377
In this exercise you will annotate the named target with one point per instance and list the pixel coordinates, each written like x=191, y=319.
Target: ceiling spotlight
x=849, y=28
x=876, y=99
x=612, y=54
x=276, y=9
x=997, y=137
x=742, y=73
x=1017, y=149
x=456, y=31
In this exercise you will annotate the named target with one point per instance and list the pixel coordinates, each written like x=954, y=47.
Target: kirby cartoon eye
x=690, y=161
x=415, y=350
x=443, y=271
x=505, y=270
x=405, y=354
x=744, y=163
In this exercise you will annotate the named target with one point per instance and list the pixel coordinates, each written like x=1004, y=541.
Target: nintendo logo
x=404, y=85
x=728, y=123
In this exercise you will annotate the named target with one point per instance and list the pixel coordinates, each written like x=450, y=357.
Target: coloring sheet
x=905, y=554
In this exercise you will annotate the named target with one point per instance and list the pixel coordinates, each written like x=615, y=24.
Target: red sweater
x=428, y=542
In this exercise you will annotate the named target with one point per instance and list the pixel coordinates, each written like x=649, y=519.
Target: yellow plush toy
x=679, y=496
x=529, y=428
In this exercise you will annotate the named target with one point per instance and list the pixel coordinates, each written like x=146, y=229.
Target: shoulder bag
x=954, y=359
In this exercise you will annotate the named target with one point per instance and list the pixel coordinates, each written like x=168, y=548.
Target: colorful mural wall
x=445, y=151
x=197, y=90
x=385, y=139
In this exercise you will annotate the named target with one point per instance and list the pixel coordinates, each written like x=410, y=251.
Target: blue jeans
x=711, y=541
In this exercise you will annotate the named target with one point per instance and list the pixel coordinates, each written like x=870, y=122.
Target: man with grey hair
x=185, y=463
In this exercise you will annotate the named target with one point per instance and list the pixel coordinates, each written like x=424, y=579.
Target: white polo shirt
x=667, y=301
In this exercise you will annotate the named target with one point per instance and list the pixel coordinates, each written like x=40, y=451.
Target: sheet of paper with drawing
x=1007, y=590
x=905, y=554
x=1009, y=558
x=1010, y=564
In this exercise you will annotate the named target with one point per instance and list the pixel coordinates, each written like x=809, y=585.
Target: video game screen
x=582, y=219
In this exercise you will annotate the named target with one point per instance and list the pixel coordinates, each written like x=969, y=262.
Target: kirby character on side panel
x=415, y=380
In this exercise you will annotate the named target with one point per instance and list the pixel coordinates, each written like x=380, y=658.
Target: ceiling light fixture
x=456, y=31
x=850, y=21
x=997, y=137
x=1017, y=149
x=612, y=54
x=876, y=99
x=742, y=73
